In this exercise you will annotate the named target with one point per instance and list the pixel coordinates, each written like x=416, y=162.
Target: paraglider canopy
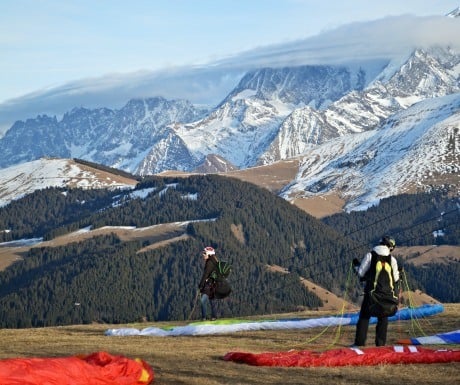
x=98, y=368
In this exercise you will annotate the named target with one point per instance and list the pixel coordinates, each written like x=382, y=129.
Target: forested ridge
x=104, y=279
x=412, y=219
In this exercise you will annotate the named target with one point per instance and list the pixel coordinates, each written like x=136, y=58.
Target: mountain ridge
x=273, y=115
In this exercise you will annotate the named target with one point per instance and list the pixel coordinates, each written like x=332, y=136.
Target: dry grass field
x=198, y=360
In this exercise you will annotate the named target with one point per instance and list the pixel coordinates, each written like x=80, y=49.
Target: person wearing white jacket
x=367, y=271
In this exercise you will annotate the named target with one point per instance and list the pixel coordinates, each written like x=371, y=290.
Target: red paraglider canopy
x=347, y=356
x=98, y=368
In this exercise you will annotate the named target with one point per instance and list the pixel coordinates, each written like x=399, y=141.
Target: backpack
x=222, y=287
x=223, y=269
x=382, y=299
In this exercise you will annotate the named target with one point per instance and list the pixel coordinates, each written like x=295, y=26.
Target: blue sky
x=47, y=43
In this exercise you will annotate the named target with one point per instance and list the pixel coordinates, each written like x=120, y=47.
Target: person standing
x=369, y=270
x=207, y=285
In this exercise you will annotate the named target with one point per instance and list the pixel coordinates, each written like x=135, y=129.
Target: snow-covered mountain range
x=362, y=129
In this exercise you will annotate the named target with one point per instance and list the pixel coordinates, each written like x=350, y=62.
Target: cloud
x=387, y=38
x=390, y=38
x=200, y=85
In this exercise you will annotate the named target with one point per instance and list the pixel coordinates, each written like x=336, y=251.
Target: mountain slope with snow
x=418, y=148
x=20, y=180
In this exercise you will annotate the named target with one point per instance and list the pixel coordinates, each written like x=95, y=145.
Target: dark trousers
x=363, y=325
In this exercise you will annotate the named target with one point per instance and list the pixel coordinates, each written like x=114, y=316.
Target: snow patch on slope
x=20, y=180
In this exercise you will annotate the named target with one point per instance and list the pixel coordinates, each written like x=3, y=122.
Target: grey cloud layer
x=387, y=38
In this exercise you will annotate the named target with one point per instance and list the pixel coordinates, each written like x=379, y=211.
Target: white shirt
x=380, y=250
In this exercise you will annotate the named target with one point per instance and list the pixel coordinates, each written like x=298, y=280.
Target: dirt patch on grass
x=272, y=177
x=237, y=231
x=321, y=206
x=9, y=255
x=420, y=255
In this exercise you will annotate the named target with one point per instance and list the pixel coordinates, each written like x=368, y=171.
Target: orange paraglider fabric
x=98, y=368
x=347, y=356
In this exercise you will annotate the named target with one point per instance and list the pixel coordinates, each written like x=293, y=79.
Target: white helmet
x=209, y=251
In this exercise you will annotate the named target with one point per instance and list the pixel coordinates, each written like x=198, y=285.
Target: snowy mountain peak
x=454, y=13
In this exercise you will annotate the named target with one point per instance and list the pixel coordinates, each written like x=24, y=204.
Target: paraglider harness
x=218, y=279
x=383, y=302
